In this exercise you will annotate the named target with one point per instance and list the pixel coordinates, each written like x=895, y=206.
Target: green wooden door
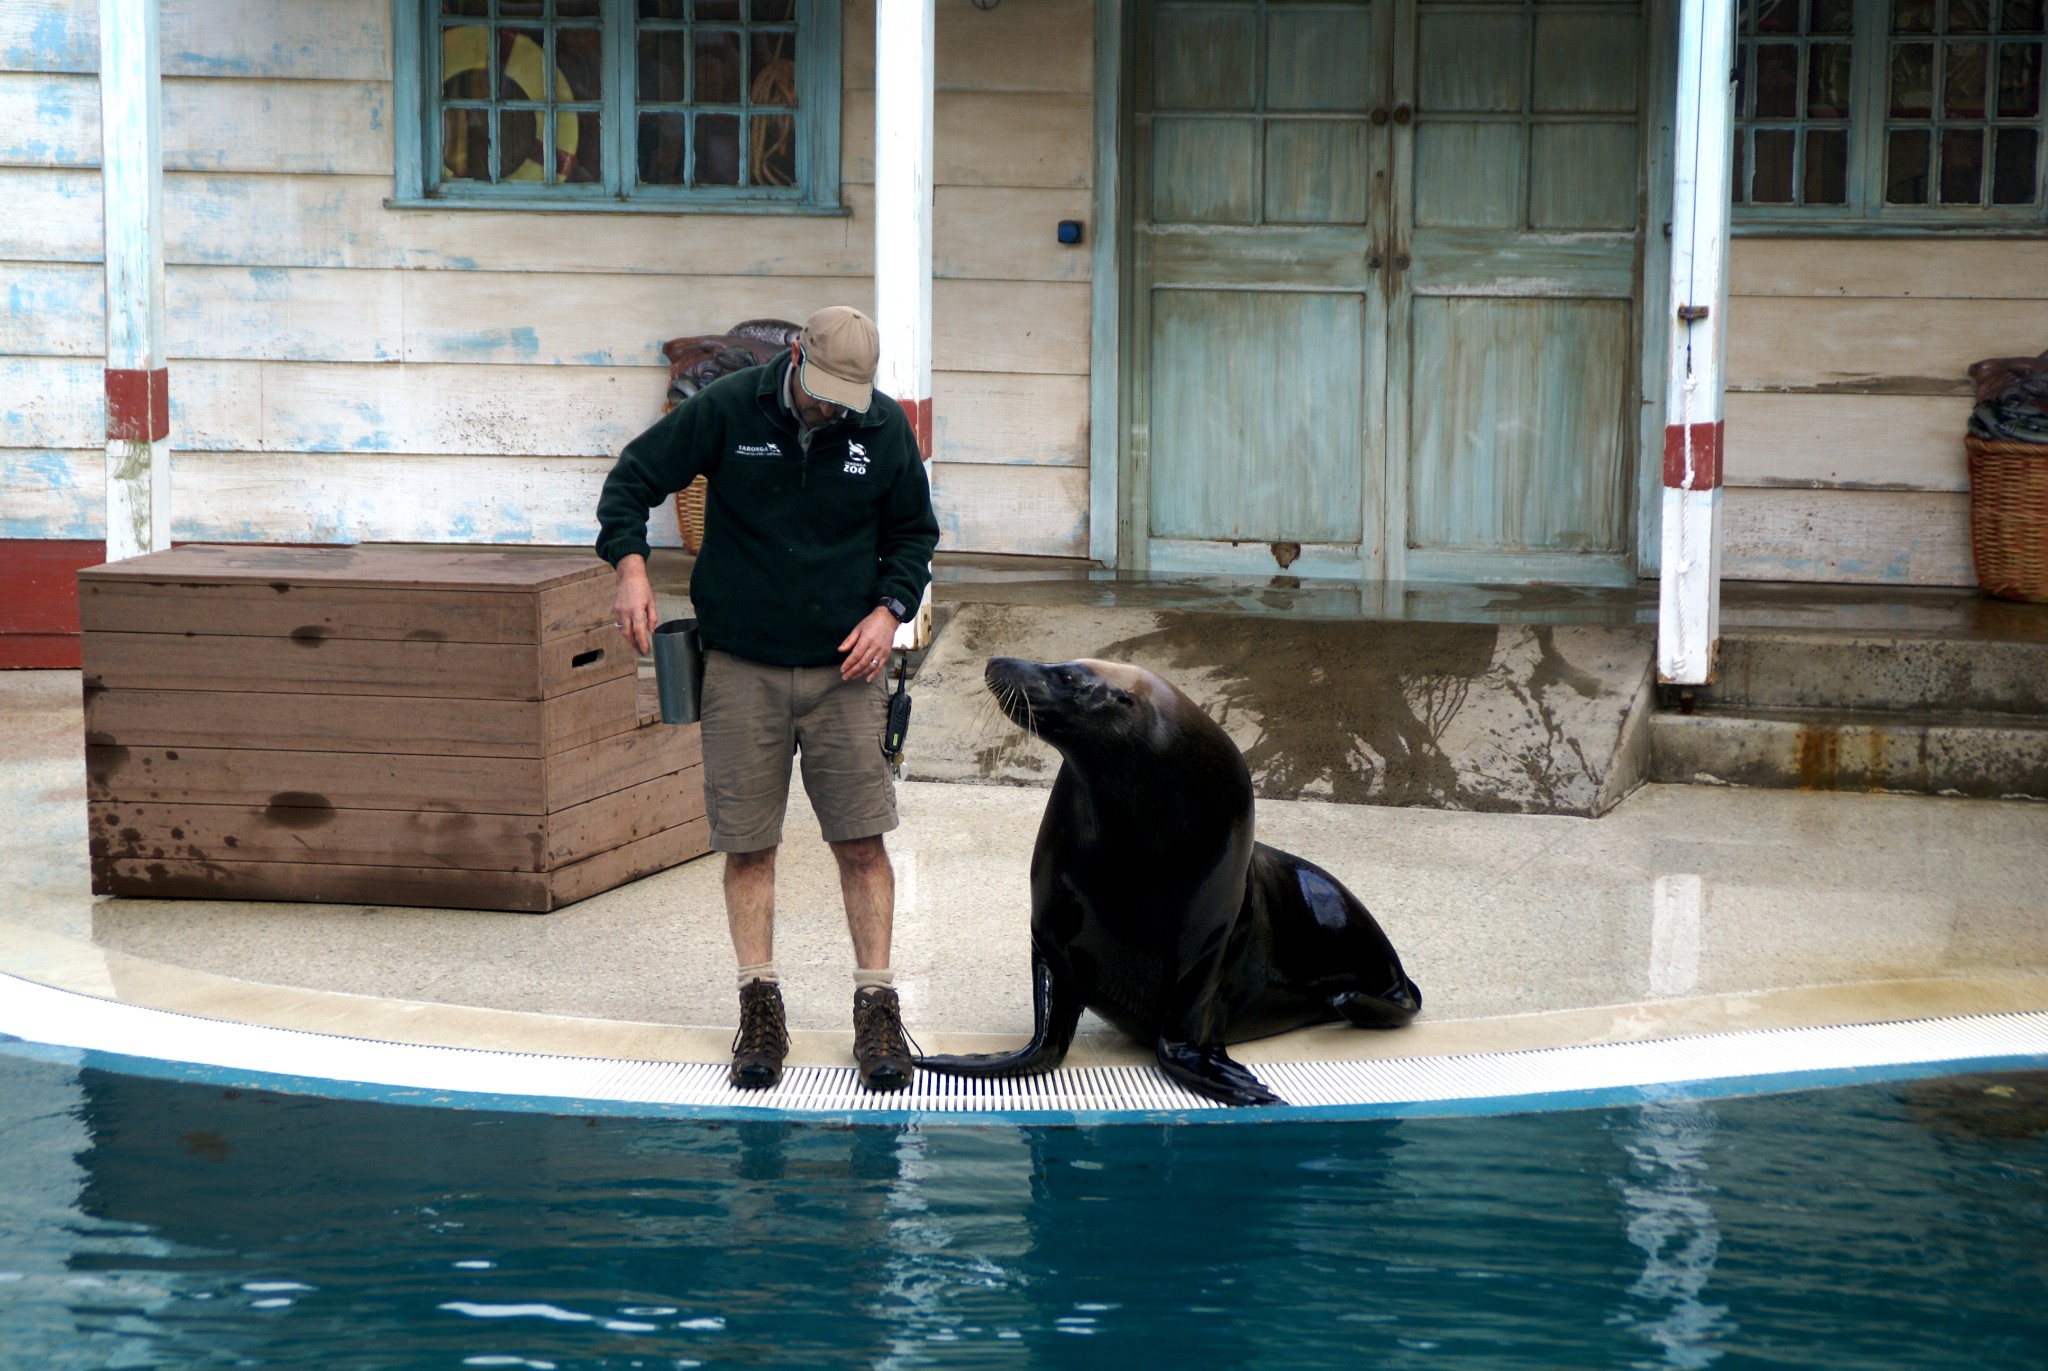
x=1383, y=307
x=1517, y=297
x=1257, y=323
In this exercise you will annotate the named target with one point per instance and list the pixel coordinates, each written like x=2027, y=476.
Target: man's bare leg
x=867, y=884
x=750, y=905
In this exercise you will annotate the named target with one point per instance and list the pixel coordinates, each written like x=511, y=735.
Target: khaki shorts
x=754, y=716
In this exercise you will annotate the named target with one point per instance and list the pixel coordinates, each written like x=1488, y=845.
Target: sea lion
x=1152, y=905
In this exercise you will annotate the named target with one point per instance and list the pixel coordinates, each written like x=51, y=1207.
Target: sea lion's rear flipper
x=1210, y=1071
x=1055, y=1013
x=1396, y=1008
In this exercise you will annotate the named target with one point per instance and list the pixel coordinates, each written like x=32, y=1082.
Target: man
x=818, y=536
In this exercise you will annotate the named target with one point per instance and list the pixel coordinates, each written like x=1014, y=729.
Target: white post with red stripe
x=132, y=185
x=906, y=70
x=1689, y=593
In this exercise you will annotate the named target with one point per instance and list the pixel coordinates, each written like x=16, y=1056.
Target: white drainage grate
x=155, y=1042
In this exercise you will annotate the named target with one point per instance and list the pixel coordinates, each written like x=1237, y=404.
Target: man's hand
x=633, y=603
x=867, y=647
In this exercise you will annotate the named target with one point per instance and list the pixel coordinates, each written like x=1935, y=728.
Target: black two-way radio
x=898, y=727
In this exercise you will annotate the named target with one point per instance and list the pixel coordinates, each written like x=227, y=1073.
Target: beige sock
x=877, y=978
x=764, y=972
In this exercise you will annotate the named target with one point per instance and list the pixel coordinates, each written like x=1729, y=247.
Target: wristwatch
x=896, y=607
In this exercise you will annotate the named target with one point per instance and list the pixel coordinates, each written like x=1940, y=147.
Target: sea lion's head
x=1092, y=705
x=1130, y=734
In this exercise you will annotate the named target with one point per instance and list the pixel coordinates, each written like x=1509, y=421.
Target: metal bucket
x=679, y=670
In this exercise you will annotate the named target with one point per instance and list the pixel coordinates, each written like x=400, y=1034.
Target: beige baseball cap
x=841, y=349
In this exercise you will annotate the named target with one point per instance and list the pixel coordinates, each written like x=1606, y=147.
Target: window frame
x=417, y=129
x=1866, y=212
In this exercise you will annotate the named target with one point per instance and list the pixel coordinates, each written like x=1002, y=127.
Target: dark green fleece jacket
x=799, y=546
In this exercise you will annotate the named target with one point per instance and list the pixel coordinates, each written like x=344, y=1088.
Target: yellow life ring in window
x=466, y=49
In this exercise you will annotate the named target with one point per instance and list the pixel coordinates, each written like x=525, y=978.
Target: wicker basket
x=690, y=515
x=2009, y=517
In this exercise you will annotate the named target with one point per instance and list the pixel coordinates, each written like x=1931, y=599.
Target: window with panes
x=720, y=102
x=1901, y=112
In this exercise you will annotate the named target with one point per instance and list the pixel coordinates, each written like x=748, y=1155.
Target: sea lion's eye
x=1067, y=676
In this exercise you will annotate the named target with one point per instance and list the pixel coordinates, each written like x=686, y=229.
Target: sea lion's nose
x=1002, y=670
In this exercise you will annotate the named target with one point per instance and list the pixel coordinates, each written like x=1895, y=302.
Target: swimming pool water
x=151, y=1223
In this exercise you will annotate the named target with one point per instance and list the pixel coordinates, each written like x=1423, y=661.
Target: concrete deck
x=1684, y=910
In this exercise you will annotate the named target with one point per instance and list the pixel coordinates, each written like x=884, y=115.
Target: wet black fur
x=1152, y=905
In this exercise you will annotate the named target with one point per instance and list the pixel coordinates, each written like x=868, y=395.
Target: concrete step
x=1880, y=672
x=1981, y=755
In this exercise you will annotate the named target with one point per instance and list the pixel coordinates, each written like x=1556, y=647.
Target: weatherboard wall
x=1848, y=392
x=344, y=371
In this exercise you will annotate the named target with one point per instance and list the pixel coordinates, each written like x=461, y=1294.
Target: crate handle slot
x=595, y=654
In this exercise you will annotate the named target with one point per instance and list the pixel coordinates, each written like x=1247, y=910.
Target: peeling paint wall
x=346, y=372
x=1848, y=393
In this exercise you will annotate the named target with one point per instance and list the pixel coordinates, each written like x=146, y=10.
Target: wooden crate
x=374, y=725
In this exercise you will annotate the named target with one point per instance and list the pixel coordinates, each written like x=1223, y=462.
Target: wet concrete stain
x=1376, y=702
x=1858, y=757
x=1465, y=715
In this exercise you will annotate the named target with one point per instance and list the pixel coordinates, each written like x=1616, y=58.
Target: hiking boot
x=879, y=1047
x=763, y=1040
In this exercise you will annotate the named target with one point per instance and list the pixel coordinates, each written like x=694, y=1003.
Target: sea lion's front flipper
x=1210, y=1071
x=1055, y=1013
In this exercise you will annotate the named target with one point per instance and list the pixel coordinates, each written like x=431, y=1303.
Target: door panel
x=1517, y=351
x=1205, y=171
x=1320, y=58
x=1264, y=453
x=1257, y=324
x=1516, y=448
x=1205, y=56
x=1562, y=195
x=1316, y=172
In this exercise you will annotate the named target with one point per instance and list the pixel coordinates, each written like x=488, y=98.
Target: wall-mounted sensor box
x=1070, y=231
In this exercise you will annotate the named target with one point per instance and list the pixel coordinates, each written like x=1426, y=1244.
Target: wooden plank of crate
x=267, y=721
x=618, y=762
x=525, y=892
x=587, y=715
x=311, y=662
x=303, y=826
x=454, y=616
x=658, y=852
x=624, y=816
x=523, y=570
x=572, y=608
x=349, y=780
x=383, y=612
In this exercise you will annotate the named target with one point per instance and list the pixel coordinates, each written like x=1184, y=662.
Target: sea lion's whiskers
x=1005, y=695
x=987, y=710
x=1029, y=723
